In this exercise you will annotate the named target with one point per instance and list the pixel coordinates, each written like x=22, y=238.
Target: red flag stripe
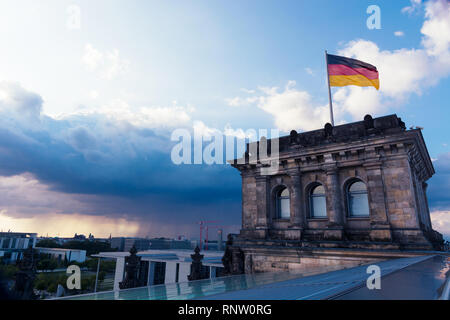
x=343, y=70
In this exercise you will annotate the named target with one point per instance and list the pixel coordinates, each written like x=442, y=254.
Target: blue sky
x=88, y=109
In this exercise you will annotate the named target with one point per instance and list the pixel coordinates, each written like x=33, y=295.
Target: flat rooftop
x=18, y=234
x=211, y=257
x=59, y=249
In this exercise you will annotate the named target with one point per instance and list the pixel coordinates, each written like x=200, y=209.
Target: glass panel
x=358, y=186
x=319, y=190
x=318, y=206
x=284, y=208
x=359, y=205
x=285, y=193
x=202, y=288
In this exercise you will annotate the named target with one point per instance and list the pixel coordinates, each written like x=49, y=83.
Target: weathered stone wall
x=305, y=265
x=400, y=194
x=249, y=206
x=391, y=161
x=273, y=258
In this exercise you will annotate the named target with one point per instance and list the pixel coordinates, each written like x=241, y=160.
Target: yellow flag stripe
x=356, y=80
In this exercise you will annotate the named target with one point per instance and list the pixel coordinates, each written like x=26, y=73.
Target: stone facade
x=392, y=162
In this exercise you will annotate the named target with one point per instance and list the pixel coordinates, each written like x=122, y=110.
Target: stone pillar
x=196, y=265
x=335, y=230
x=262, y=204
x=151, y=273
x=297, y=214
x=248, y=264
x=171, y=272
x=119, y=273
x=379, y=223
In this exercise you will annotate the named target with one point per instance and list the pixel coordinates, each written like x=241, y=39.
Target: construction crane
x=206, y=239
x=202, y=225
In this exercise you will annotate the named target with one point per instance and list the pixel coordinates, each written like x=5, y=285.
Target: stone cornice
x=383, y=146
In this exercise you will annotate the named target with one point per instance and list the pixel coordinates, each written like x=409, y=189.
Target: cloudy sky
x=91, y=91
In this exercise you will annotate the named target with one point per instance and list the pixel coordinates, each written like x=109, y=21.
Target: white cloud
x=436, y=29
x=309, y=71
x=399, y=33
x=94, y=94
x=202, y=130
x=441, y=222
x=240, y=102
x=13, y=98
x=249, y=91
x=415, y=5
x=357, y=102
x=92, y=58
x=404, y=71
x=293, y=109
x=107, y=64
x=145, y=117
x=240, y=133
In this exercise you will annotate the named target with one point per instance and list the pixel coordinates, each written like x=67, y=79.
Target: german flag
x=344, y=71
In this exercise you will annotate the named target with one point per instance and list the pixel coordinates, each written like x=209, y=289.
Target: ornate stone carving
x=233, y=259
x=368, y=122
x=132, y=266
x=227, y=259
x=328, y=130
x=196, y=265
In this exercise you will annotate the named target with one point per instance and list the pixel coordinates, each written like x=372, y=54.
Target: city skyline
x=91, y=92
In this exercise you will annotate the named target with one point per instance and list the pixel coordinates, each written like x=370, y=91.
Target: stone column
x=248, y=264
x=119, y=273
x=262, y=204
x=335, y=229
x=379, y=223
x=297, y=212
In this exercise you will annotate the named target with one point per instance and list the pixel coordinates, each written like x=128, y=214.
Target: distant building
x=117, y=243
x=79, y=237
x=141, y=244
x=64, y=254
x=12, y=244
x=165, y=266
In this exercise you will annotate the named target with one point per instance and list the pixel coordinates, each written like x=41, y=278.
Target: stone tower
x=360, y=185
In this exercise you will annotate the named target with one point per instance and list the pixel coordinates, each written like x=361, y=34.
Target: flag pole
x=329, y=89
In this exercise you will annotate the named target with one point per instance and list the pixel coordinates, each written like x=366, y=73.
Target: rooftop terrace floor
x=421, y=277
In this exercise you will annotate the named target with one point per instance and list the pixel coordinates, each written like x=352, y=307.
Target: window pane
x=359, y=205
x=319, y=190
x=284, y=208
x=358, y=186
x=319, y=206
x=285, y=193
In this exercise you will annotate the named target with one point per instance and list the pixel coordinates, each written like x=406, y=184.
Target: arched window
x=283, y=204
x=317, y=202
x=358, y=203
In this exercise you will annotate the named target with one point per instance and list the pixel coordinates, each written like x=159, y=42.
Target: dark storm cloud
x=439, y=185
x=128, y=168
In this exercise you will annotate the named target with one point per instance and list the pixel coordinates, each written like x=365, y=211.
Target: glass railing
x=201, y=288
